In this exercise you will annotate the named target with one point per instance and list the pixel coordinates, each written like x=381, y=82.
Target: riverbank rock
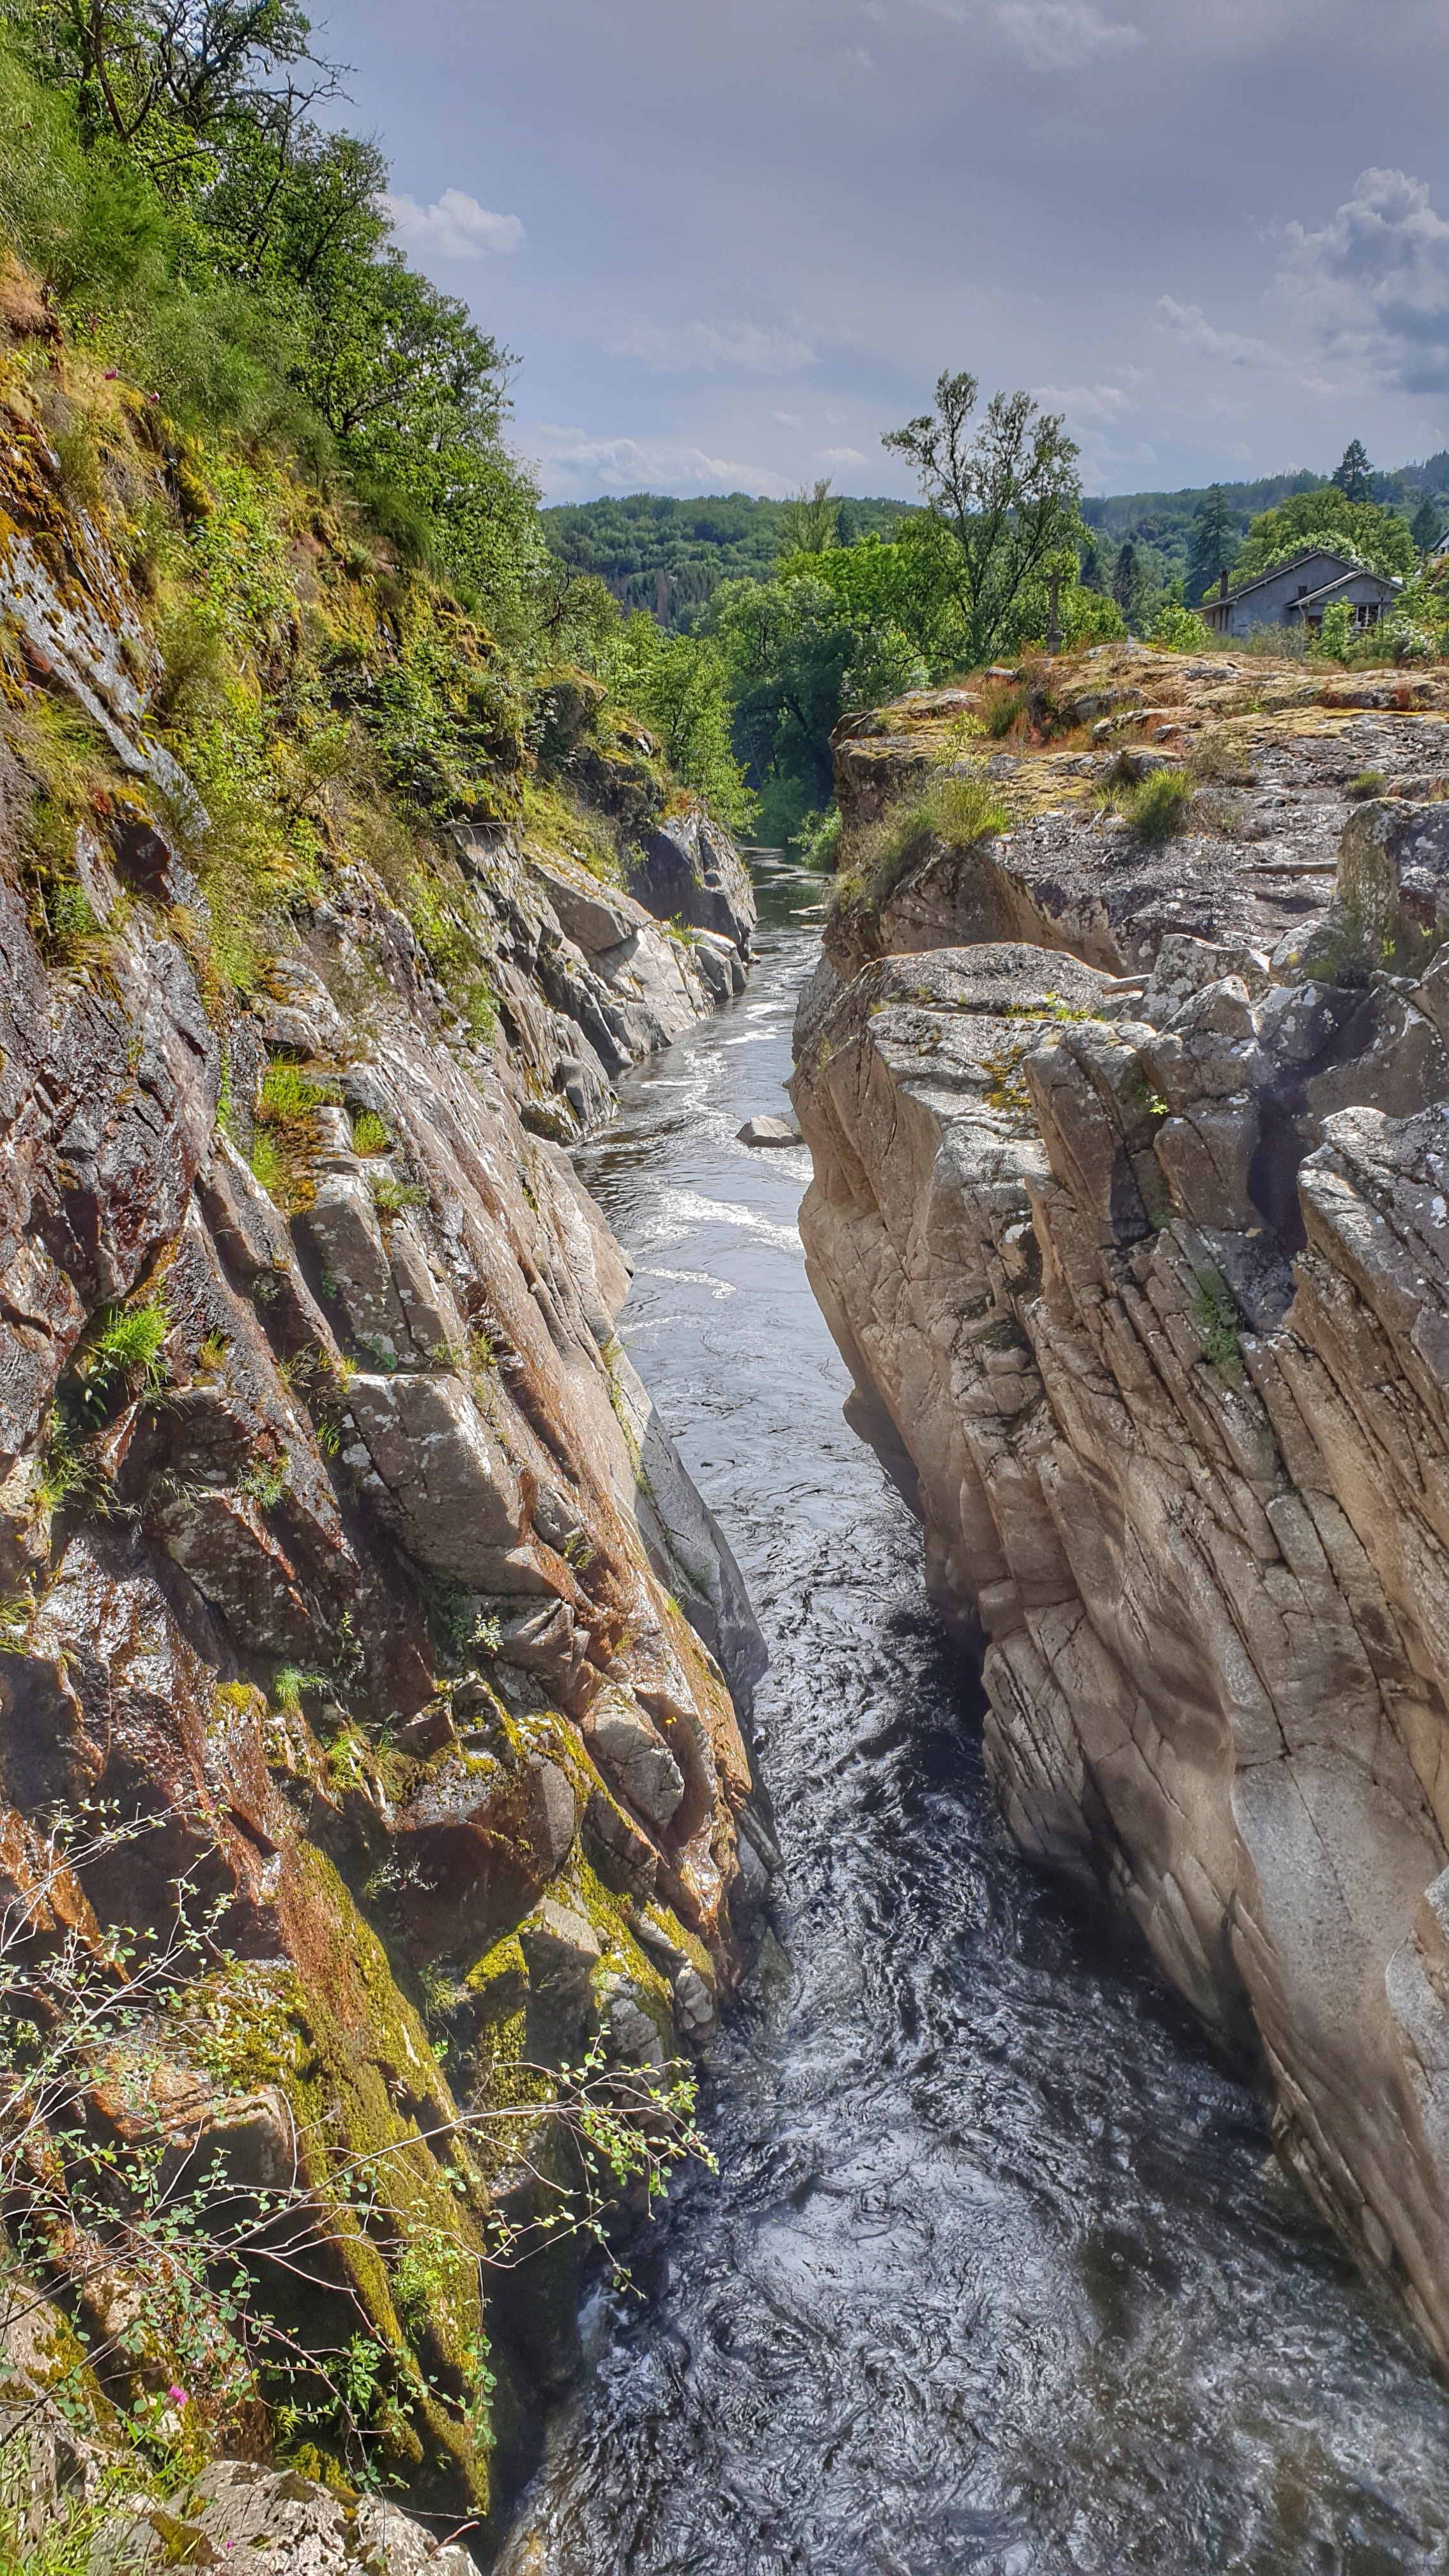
x=1128, y=1216
x=345, y=1569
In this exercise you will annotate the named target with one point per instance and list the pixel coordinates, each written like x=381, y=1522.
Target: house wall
x=1270, y=602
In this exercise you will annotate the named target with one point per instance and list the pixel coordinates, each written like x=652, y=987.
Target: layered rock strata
x=343, y=1553
x=1129, y=1217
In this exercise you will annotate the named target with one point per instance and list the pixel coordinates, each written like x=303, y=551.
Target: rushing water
x=998, y=2274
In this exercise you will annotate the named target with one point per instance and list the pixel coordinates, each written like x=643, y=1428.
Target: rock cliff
x=1131, y=1159
x=342, y=1549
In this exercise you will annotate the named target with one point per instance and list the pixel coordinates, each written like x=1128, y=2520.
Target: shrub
x=1158, y=808
x=1180, y=630
x=1335, y=635
x=1369, y=783
x=817, y=841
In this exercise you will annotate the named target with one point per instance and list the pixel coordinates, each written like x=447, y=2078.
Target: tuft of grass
x=1368, y=784
x=369, y=1134
x=390, y=1195
x=958, y=810
x=1156, y=806
x=266, y=1481
x=1216, y=1318
x=123, y=1350
x=285, y=1134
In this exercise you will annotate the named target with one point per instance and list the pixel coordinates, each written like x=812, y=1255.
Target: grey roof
x=1387, y=581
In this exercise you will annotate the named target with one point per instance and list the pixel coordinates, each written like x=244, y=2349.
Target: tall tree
x=1127, y=578
x=1354, y=474
x=1001, y=501
x=1213, y=543
x=1425, y=524
x=809, y=520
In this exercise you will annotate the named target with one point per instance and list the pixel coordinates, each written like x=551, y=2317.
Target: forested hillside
x=668, y=556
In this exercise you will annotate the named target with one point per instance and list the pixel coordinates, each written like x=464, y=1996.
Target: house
x=1300, y=590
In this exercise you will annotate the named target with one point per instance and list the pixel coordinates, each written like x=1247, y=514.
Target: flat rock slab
x=769, y=1131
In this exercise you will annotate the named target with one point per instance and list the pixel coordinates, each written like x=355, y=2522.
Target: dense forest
x=668, y=556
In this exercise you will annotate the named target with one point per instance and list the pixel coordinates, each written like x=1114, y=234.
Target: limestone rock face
x=1134, y=1241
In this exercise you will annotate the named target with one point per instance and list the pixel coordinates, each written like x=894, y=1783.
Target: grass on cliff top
x=956, y=811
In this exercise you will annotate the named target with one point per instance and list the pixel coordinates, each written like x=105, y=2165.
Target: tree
x=1212, y=544
x=1327, y=518
x=678, y=684
x=1354, y=474
x=1127, y=578
x=1000, y=501
x=809, y=520
x=1425, y=524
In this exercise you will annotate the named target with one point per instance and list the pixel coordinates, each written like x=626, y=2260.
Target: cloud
x=1188, y=324
x=701, y=348
x=1373, y=284
x=575, y=465
x=1082, y=402
x=1064, y=35
x=788, y=419
x=857, y=56
x=841, y=456
x=457, y=227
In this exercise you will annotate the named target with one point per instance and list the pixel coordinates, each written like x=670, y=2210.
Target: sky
x=731, y=242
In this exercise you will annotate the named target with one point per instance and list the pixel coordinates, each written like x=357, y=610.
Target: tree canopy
x=1359, y=529
x=1002, y=502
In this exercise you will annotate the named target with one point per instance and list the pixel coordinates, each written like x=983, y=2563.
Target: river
x=998, y=2273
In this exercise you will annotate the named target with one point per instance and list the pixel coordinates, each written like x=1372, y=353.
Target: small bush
x=1368, y=784
x=1334, y=639
x=1180, y=630
x=816, y=842
x=1216, y=1317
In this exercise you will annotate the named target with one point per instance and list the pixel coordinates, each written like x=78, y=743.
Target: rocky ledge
x=1131, y=1167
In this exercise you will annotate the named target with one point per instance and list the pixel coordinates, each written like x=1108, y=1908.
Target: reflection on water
x=997, y=2274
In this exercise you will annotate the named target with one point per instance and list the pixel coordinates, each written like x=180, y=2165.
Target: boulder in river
x=769, y=1131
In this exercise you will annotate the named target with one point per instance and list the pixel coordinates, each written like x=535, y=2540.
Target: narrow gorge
x=566, y=2011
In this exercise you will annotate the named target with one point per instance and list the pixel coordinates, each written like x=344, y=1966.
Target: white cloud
x=856, y=56
x=700, y=348
x=457, y=227
x=1188, y=324
x=841, y=456
x=1373, y=284
x=1082, y=402
x=1064, y=35
x=788, y=419
x=575, y=465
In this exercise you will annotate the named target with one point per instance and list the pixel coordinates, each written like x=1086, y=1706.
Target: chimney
x=1223, y=583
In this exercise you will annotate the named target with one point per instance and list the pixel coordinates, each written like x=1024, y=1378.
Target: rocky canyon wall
x=1131, y=1162
x=341, y=1545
